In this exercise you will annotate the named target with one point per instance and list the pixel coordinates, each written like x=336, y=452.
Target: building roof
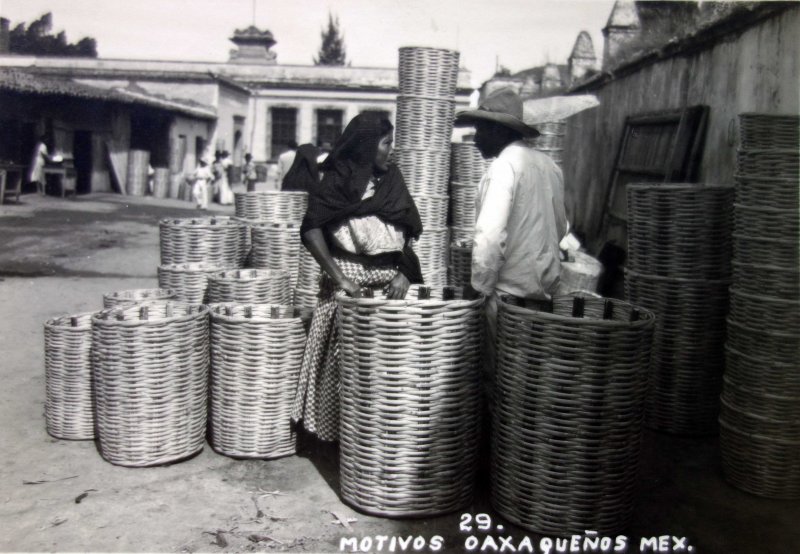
x=584, y=47
x=14, y=80
x=623, y=15
x=253, y=35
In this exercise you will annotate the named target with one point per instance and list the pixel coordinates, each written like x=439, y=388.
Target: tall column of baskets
x=760, y=417
x=425, y=111
x=467, y=167
x=274, y=219
x=551, y=140
x=679, y=260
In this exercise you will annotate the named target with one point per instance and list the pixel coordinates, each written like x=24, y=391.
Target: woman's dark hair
x=359, y=141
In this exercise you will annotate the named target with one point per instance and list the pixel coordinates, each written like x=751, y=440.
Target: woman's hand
x=350, y=287
x=398, y=287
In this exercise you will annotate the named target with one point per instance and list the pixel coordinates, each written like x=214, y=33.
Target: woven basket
x=767, y=280
x=256, y=354
x=766, y=251
x=784, y=164
x=763, y=131
x=221, y=241
x=277, y=246
x=188, y=281
x=769, y=223
x=432, y=249
x=767, y=192
x=306, y=298
x=688, y=350
x=460, y=263
x=766, y=346
x=680, y=230
x=410, y=402
x=432, y=209
x=580, y=274
x=462, y=204
x=424, y=71
x=467, y=166
x=250, y=286
x=424, y=122
x=765, y=312
x=462, y=234
x=424, y=170
x=766, y=376
x=135, y=296
x=758, y=464
x=309, y=272
x=777, y=407
x=69, y=404
x=273, y=206
x=571, y=385
x=551, y=136
x=150, y=369
x=753, y=424
x=436, y=279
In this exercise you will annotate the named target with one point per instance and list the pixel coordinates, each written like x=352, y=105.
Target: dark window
x=329, y=126
x=284, y=129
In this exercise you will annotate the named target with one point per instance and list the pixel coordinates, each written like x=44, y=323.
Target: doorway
x=82, y=156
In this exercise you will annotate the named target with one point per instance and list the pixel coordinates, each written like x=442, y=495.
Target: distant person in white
x=285, y=161
x=520, y=212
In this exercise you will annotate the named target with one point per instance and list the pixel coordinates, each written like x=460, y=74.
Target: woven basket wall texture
x=218, y=240
x=134, y=296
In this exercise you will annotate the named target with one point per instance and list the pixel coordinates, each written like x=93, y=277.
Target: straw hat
x=502, y=106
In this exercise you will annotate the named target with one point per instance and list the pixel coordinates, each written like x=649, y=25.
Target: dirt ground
x=59, y=256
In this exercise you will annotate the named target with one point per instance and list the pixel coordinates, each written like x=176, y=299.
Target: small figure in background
x=249, y=175
x=203, y=176
x=222, y=185
x=41, y=156
x=285, y=161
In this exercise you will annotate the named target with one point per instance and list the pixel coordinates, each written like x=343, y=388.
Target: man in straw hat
x=520, y=211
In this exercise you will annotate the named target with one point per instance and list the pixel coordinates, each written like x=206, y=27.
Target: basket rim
x=261, y=224
x=734, y=290
x=429, y=49
x=680, y=186
x=647, y=320
x=260, y=273
x=432, y=196
x=758, y=437
x=745, y=265
x=271, y=193
x=213, y=310
x=115, y=294
x=431, y=97
x=766, y=209
x=195, y=267
x=103, y=316
x=776, y=334
x=346, y=300
x=771, y=115
x=747, y=390
x=473, y=185
x=731, y=350
x=195, y=222
x=763, y=239
x=56, y=321
x=685, y=280
x=433, y=150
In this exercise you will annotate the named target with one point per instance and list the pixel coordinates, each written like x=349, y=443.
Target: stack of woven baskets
x=467, y=167
x=274, y=219
x=679, y=252
x=568, y=408
x=551, y=140
x=760, y=418
x=425, y=112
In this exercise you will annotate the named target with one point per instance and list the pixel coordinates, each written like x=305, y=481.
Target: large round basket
x=424, y=122
x=435, y=279
x=767, y=192
x=467, y=165
x=765, y=312
x=424, y=71
x=277, y=246
x=273, y=206
x=767, y=280
x=771, y=376
x=410, y=401
x=783, y=164
x=250, y=286
x=680, y=230
x=767, y=131
x=135, y=296
x=69, y=404
x=432, y=249
x=762, y=344
x=306, y=298
x=309, y=273
x=688, y=356
x=569, y=404
x=221, y=241
x=150, y=368
x=769, y=223
x=462, y=204
x=432, y=209
x=256, y=353
x=782, y=252
x=189, y=282
x=460, y=263
x=424, y=170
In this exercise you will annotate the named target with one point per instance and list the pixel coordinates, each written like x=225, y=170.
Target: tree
x=332, y=51
x=37, y=39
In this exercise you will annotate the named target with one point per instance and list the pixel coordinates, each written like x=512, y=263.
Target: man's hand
x=398, y=287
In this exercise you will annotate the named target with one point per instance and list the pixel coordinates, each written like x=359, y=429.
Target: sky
x=517, y=33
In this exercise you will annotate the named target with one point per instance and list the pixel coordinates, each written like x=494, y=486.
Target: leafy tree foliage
x=37, y=39
x=332, y=51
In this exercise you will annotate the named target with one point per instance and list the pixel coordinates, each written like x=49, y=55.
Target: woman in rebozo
x=358, y=225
